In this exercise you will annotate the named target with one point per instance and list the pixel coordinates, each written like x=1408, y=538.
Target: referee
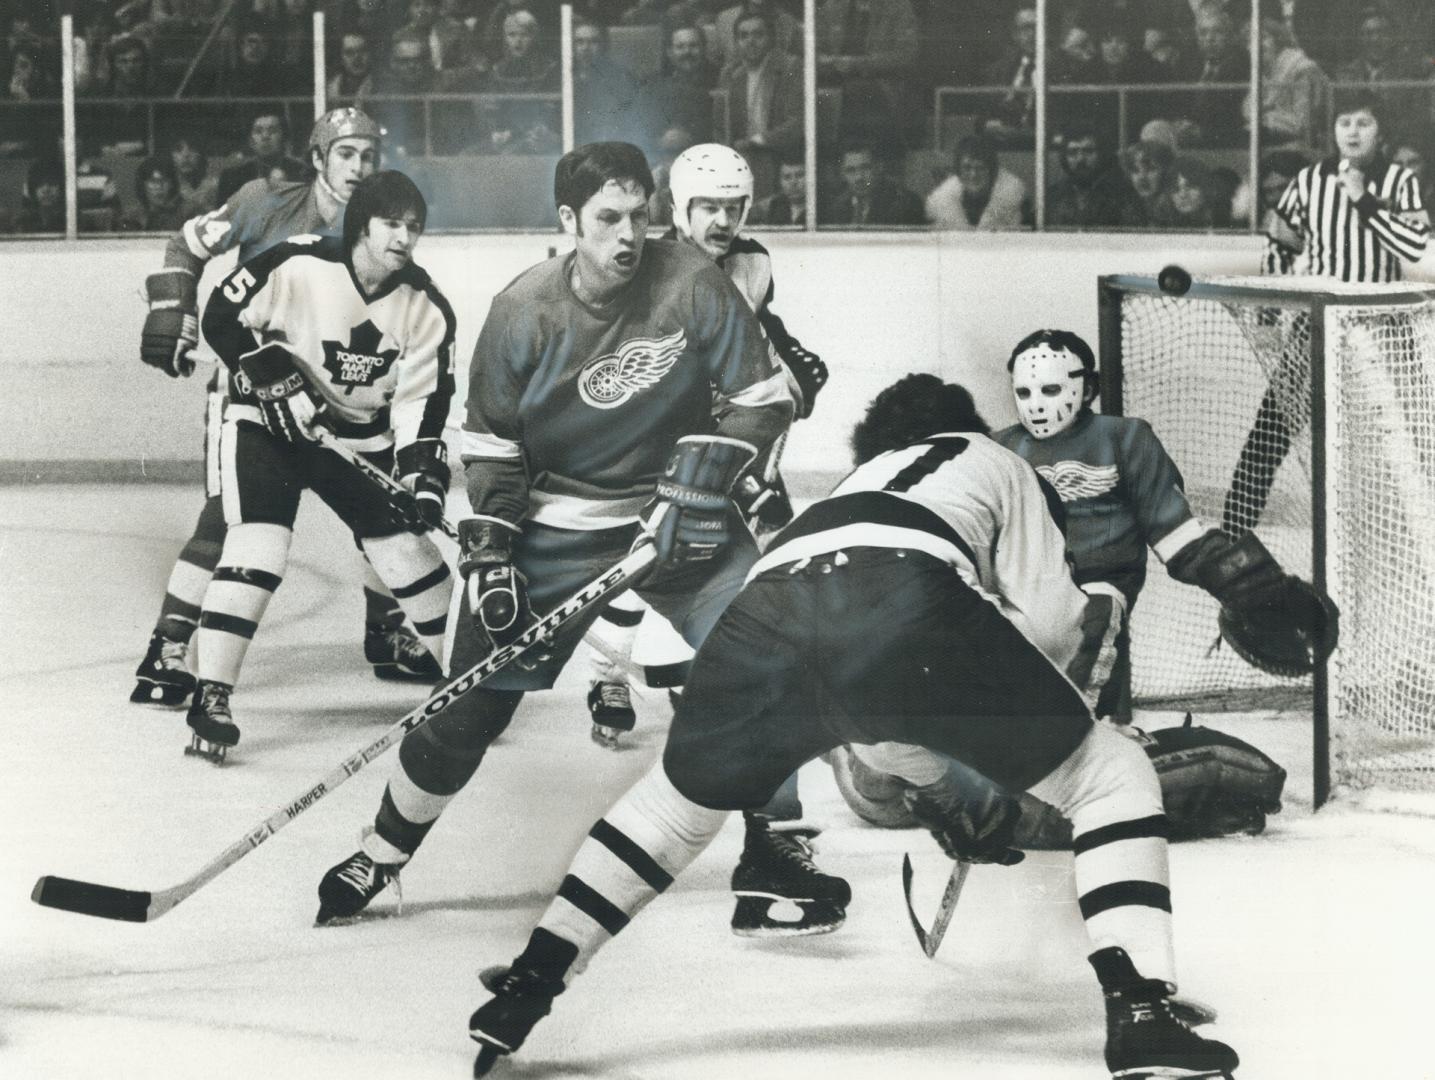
x=1355, y=216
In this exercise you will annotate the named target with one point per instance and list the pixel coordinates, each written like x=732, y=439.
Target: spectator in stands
x=1381, y=59
x=124, y=119
x=1010, y=120
x=128, y=63
x=356, y=70
x=405, y=79
x=545, y=12
x=1121, y=60
x=23, y=131
x=1292, y=88
x=866, y=48
x=605, y=94
x=979, y=194
x=1076, y=59
x=521, y=126
x=786, y=30
x=1212, y=117
x=680, y=95
x=1147, y=165
x=1196, y=201
x=376, y=20
x=198, y=186
x=268, y=155
x=42, y=201
x=868, y=196
x=1412, y=154
x=446, y=40
x=788, y=204
x=764, y=93
x=160, y=207
x=1277, y=169
x=23, y=77
x=258, y=71
x=1093, y=193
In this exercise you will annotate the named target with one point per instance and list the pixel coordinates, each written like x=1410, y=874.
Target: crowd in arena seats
x=925, y=107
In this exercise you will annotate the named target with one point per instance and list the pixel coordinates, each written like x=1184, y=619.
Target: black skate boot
x=162, y=677
x=397, y=654
x=777, y=866
x=1144, y=1039
x=612, y=710
x=346, y=889
x=210, y=721
x=523, y=994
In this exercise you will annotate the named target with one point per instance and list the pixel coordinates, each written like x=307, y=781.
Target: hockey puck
x=1174, y=280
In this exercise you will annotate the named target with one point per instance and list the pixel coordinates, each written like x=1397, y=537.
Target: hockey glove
x=971, y=818
x=764, y=504
x=422, y=467
x=288, y=407
x=171, y=329
x=810, y=374
x=692, y=520
x=497, y=592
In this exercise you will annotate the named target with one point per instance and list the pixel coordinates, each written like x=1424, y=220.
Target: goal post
x=1302, y=409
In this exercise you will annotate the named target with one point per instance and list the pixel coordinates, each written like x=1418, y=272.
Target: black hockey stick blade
x=931, y=940
x=87, y=898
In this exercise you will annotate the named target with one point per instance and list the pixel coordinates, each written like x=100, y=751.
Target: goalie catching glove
x=289, y=410
x=694, y=516
x=422, y=468
x=171, y=329
x=1272, y=620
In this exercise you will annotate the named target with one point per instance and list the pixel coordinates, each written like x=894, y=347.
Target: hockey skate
x=397, y=654
x=162, y=678
x=776, y=867
x=211, y=723
x=523, y=994
x=346, y=889
x=1144, y=1038
x=612, y=709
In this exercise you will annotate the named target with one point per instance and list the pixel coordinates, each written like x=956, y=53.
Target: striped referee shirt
x=1318, y=229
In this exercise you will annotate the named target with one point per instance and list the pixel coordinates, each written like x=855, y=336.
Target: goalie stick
x=931, y=940
x=135, y=905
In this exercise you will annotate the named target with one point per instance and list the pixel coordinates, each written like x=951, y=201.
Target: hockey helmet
x=1051, y=372
x=709, y=171
x=344, y=123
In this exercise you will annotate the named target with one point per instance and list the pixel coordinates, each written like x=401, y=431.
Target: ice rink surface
x=1315, y=941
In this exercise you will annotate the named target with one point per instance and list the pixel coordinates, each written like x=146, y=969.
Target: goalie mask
x=1049, y=381
x=710, y=171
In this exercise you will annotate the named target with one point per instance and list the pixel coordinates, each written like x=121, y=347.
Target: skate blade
x=754, y=917
x=215, y=753
x=399, y=673
x=1167, y=1072
x=609, y=738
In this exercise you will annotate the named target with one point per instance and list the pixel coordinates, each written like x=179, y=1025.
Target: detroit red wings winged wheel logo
x=610, y=380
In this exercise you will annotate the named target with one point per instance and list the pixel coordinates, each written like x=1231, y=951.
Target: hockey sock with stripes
x=249, y=571
x=380, y=608
x=437, y=760
x=1109, y=791
x=617, y=626
x=630, y=855
x=419, y=580
x=188, y=580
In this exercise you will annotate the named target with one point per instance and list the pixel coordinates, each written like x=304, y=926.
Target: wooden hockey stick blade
x=931, y=940
x=130, y=905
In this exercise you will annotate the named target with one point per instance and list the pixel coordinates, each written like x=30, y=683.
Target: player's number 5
x=238, y=285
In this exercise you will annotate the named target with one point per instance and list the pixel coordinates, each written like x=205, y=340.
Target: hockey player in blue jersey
x=596, y=374
x=924, y=610
x=344, y=147
x=350, y=336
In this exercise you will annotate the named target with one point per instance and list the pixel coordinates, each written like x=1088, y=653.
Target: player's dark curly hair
x=909, y=410
x=385, y=194
x=581, y=173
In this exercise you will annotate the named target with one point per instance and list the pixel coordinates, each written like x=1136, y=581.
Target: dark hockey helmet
x=345, y=123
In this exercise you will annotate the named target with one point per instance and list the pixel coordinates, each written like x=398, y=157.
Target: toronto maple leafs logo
x=1077, y=480
x=361, y=362
x=611, y=379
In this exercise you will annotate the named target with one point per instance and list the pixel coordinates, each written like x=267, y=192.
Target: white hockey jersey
x=383, y=364
x=972, y=504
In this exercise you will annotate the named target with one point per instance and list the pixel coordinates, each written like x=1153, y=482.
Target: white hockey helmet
x=345, y=123
x=709, y=171
x=1052, y=377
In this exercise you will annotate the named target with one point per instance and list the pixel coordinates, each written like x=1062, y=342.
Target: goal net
x=1302, y=409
